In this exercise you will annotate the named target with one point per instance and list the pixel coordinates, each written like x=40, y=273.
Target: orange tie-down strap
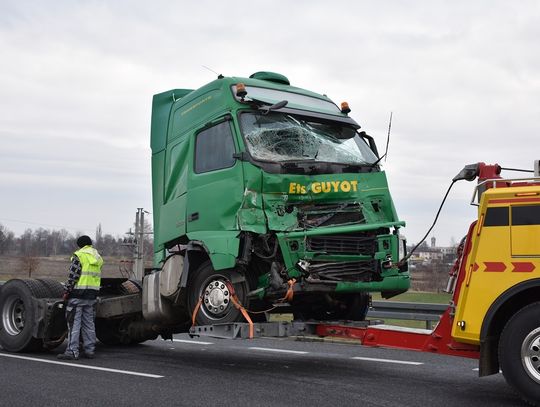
x=196, y=311
x=239, y=306
x=290, y=291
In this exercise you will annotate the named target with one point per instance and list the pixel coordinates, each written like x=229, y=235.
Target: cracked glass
x=280, y=137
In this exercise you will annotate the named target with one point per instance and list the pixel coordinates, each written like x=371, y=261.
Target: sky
x=462, y=79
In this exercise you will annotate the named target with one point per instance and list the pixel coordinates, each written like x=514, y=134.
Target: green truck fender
x=222, y=247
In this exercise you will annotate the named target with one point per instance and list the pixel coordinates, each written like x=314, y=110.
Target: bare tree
x=7, y=239
x=30, y=264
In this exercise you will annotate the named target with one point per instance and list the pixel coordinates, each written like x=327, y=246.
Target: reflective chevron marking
x=523, y=267
x=494, y=266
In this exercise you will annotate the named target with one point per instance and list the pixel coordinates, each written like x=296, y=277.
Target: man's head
x=84, y=241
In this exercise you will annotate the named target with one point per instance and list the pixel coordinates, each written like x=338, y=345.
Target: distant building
x=425, y=254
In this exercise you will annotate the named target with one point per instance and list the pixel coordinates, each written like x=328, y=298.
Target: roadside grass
x=417, y=296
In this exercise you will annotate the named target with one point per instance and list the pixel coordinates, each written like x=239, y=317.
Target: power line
x=46, y=224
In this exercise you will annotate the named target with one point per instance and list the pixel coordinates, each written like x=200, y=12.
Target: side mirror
x=242, y=156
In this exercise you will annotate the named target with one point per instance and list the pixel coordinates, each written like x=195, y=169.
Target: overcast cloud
x=77, y=79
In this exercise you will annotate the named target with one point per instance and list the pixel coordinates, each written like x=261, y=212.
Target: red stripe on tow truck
x=494, y=266
x=523, y=267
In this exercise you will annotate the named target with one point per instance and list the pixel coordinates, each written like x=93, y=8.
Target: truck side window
x=497, y=216
x=214, y=148
x=526, y=215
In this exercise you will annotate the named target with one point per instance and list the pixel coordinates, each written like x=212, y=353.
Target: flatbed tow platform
x=367, y=333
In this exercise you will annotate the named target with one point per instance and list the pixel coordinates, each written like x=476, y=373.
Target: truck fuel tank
x=161, y=289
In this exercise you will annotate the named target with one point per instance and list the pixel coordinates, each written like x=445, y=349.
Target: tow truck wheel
x=519, y=352
x=216, y=299
x=17, y=313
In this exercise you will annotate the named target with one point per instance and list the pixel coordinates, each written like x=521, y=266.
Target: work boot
x=67, y=356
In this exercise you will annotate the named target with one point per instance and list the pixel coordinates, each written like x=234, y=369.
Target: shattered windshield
x=279, y=137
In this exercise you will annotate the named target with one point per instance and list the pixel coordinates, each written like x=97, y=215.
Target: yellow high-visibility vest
x=91, y=263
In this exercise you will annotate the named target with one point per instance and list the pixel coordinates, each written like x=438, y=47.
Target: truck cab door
x=215, y=184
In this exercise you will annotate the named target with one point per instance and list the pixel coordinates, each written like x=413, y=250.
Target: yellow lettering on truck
x=324, y=187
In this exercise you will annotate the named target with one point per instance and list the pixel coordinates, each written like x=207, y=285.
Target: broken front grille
x=343, y=271
x=343, y=244
x=316, y=215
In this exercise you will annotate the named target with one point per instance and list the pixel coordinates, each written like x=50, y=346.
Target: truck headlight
x=402, y=247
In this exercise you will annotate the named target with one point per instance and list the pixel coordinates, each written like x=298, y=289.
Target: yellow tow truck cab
x=503, y=267
x=497, y=289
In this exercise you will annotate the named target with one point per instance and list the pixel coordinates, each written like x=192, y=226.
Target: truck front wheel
x=519, y=352
x=211, y=288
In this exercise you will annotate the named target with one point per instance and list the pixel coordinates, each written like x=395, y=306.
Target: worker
x=81, y=291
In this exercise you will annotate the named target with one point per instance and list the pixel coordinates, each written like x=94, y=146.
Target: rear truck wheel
x=519, y=353
x=332, y=307
x=55, y=288
x=217, y=305
x=58, y=325
x=18, y=315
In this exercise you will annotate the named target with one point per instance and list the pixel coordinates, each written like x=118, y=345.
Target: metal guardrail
x=412, y=311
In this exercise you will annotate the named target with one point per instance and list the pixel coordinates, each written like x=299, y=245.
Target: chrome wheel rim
x=530, y=354
x=13, y=315
x=216, y=298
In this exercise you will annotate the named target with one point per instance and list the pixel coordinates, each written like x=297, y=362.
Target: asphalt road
x=260, y=372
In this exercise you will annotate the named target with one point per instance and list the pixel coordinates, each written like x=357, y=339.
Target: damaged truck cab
x=271, y=191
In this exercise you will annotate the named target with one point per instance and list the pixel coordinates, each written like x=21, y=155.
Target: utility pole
x=138, y=265
x=137, y=244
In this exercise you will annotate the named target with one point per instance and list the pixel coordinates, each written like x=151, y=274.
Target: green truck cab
x=271, y=191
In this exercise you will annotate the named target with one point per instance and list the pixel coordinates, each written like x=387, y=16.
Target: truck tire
x=18, y=315
x=354, y=306
x=55, y=288
x=216, y=306
x=351, y=307
x=519, y=352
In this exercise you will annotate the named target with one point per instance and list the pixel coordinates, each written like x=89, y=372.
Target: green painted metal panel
x=222, y=247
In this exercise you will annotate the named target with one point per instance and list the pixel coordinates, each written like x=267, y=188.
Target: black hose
x=402, y=261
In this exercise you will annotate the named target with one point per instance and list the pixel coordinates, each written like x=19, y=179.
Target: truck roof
x=217, y=97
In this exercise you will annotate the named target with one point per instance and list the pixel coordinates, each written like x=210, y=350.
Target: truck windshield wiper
x=299, y=161
x=292, y=166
